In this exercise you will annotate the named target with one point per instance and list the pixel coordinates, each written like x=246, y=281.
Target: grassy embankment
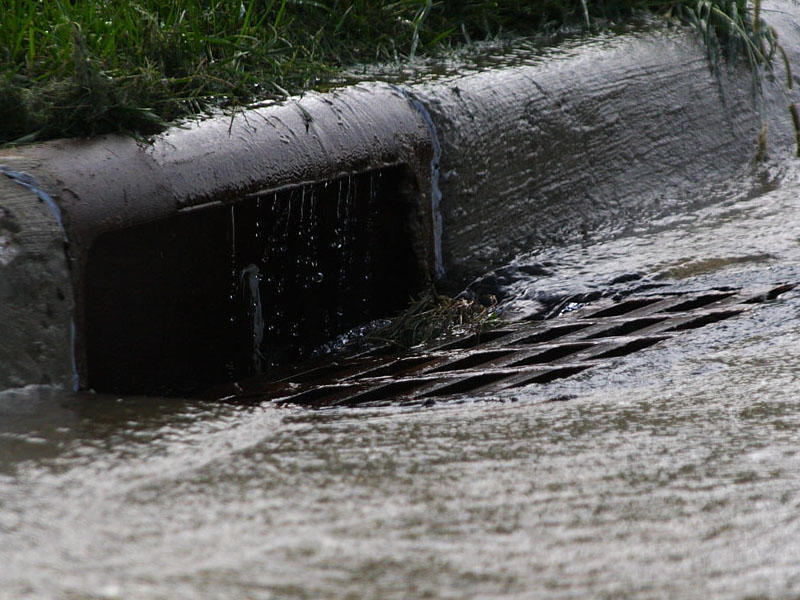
x=81, y=67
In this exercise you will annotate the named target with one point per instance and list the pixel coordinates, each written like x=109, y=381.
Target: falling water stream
x=308, y=264
x=668, y=473
x=227, y=291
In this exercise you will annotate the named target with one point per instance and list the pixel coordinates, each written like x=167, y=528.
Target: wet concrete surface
x=631, y=128
x=667, y=473
x=35, y=289
x=114, y=190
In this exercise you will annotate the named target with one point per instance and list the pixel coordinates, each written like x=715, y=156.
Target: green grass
x=79, y=67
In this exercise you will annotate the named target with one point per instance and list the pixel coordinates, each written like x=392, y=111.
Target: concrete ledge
x=595, y=138
x=505, y=161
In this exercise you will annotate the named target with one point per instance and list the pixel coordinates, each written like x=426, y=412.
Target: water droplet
x=317, y=277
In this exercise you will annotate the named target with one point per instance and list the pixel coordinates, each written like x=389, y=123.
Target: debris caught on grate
x=511, y=356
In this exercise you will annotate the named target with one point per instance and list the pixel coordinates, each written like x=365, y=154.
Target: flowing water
x=673, y=472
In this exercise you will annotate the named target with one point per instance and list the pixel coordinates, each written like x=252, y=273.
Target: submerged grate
x=516, y=355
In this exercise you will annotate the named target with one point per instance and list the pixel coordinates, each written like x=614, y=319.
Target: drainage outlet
x=232, y=289
x=513, y=356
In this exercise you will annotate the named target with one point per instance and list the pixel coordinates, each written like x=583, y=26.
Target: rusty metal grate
x=512, y=356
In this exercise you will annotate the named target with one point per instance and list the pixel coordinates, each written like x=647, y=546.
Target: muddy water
x=669, y=473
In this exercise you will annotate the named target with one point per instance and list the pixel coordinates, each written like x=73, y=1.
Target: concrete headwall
x=114, y=183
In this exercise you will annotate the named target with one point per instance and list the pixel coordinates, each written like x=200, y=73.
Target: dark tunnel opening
x=230, y=290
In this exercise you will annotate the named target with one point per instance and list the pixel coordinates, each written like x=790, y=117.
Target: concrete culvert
x=233, y=244
x=236, y=243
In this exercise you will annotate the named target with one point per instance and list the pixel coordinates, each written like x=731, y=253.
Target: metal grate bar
x=516, y=355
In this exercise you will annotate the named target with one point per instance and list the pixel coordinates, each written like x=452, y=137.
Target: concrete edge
x=597, y=139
